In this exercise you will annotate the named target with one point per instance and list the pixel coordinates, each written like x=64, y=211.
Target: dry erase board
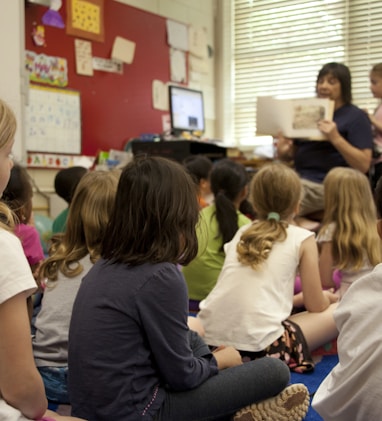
x=53, y=120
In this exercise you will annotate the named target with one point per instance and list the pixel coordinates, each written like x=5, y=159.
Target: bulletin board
x=114, y=106
x=53, y=120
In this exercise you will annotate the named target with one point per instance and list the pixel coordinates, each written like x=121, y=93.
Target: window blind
x=364, y=43
x=277, y=48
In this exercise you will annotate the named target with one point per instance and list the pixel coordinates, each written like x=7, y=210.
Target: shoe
x=291, y=404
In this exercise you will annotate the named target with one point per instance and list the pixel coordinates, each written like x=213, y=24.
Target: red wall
x=114, y=108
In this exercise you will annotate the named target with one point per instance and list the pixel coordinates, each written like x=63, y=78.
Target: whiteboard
x=53, y=120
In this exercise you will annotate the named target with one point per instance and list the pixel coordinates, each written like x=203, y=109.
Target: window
x=277, y=48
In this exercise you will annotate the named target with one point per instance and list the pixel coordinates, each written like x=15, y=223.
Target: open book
x=294, y=118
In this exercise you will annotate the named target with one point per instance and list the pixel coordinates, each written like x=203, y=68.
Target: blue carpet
x=314, y=379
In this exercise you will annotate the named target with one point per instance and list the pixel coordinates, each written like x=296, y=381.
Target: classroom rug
x=314, y=379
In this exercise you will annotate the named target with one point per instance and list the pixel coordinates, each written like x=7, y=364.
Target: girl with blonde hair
x=358, y=373
x=250, y=306
x=22, y=394
x=348, y=241
x=72, y=254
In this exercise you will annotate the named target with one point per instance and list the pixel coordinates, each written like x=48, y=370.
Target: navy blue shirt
x=314, y=159
x=129, y=341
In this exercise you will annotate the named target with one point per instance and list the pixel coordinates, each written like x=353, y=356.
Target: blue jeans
x=56, y=383
x=222, y=395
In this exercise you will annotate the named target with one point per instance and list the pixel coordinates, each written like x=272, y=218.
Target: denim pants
x=56, y=383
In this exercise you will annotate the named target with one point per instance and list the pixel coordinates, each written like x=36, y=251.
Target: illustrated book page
x=294, y=118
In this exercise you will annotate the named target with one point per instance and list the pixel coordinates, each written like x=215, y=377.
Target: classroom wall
x=118, y=107
x=13, y=84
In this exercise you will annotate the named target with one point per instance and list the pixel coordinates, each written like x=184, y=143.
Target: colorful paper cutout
x=85, y=19
x=38, y=35
x=46, y=69
x=43, y=160
x=52, y=17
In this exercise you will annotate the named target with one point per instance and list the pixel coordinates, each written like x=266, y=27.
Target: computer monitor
x=186, y=110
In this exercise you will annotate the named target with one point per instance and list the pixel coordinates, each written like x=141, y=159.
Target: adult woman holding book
x=349, y=144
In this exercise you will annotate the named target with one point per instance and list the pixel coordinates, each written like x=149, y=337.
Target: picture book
x=294, y=118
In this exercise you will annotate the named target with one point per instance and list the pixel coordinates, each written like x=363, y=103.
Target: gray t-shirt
x=50, y=344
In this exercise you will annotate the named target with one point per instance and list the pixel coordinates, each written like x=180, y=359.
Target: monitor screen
x=186, y=110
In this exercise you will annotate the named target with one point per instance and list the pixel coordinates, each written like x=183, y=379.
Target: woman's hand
x=329, y=128
x=360, y=159
x=284, y=147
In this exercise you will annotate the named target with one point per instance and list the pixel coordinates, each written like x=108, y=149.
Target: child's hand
x=227, y=357
x=333, y=298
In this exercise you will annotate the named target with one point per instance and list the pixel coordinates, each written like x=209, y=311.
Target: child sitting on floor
x=199, y=167
x=65, y=184
x=250, y=305
x=352, y=390
x=347, y=240
x=22, y=394
x=218, y=224
x=18, y=196
x=71, y=256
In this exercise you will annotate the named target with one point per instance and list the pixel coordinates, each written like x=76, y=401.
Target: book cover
x=294, y=118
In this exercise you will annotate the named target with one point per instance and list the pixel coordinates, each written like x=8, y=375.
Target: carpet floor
x=314, y=379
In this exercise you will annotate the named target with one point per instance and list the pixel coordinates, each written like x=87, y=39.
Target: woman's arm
x=360, y=159
x=314, y=298
x=326, y=265
x=20, y=383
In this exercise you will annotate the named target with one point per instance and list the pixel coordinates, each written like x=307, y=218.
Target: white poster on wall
x=178, y=66
x=177, y=35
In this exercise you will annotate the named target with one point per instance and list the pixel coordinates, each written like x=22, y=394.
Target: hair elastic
x=273, y=215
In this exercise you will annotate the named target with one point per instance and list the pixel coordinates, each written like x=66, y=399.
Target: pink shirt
x=30, y=240
x=378, y=134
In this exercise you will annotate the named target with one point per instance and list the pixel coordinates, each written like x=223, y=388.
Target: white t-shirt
x=246, y=307
x=347, y=276
x=352, y=390
x=15, y=277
